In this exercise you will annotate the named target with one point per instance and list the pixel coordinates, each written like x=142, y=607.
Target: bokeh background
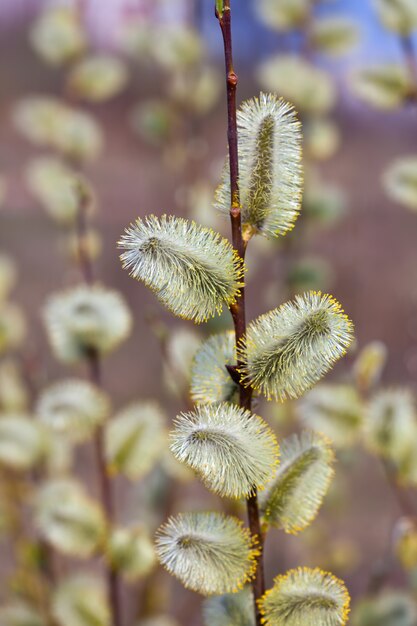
x=367, y=249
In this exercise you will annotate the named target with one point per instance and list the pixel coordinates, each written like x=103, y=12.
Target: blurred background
x=162, y=148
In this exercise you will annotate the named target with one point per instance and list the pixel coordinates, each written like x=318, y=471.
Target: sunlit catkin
x=209, y=552
x=231, y=449
x=270, y=170
x=292, y=347
x=73, y=408
x=192, y=269
x=293, y=498
x=68, y=519
x=86, y=319
x=304, y=597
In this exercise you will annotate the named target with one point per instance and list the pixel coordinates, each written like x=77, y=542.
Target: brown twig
x=94, y=366
x=29, y=365
x=238, y=310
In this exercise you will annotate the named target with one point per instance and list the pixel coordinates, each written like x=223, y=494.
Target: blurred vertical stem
x=94, y=366
x=29, y=367
x=224, y=14
x=407, y=47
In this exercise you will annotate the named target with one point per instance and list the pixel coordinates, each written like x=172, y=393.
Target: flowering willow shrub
x=392, y=86
x=195, y=273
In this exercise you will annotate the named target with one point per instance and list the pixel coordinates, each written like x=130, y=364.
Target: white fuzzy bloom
x=303, y=597
x=270, y=168
x=68, y=519
x=81, y=600
x=309, y=88
x=334, y=35
x=135, y=439
x=292, y=347
x=37, y=118
x=209, y=552
x=231, y=449
x=399, y=16
x=56, y=187
x=193, y=270
x=74, y=408
x=57, y=35
x=283, y=15
x=293, y=498
x=86, y=318
x=384, y=86
x=51, y=123
x=98, y=77
x=23, y=442
x=78, y=135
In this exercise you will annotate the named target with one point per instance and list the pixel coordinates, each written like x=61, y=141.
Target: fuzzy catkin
x=293, y=498
x=209, y=552
x=305, y=596
x=231, y=449
x=270, y=170
x=68, y=519
x=193, y=270
x=290, y=348
x=73, y=407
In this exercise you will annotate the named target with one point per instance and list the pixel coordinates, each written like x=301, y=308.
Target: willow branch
x=94, y=366
x=238, y=311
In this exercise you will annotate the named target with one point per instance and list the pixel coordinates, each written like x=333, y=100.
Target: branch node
x=232, y=79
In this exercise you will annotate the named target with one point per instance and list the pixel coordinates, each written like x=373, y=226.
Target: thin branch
x=238, y=311
x=85, y=264
x=29, y=365
x=94, y=366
